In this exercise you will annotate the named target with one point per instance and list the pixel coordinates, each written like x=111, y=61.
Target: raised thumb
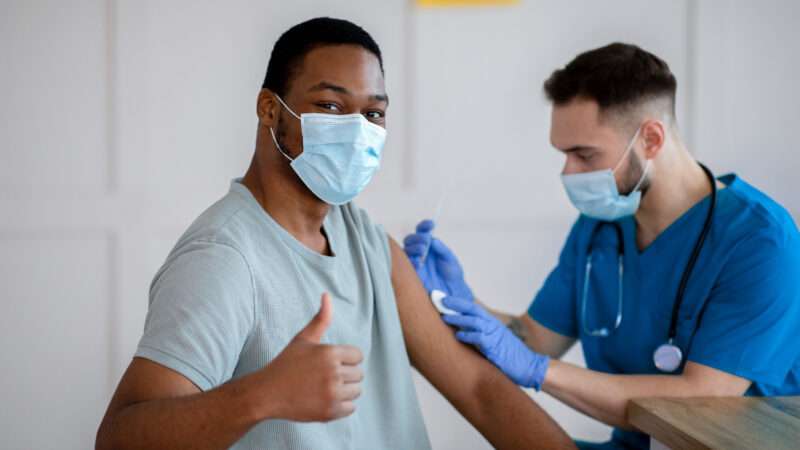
x=320, y=322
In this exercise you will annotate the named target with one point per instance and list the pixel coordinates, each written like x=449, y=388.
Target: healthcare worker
x=675, y=282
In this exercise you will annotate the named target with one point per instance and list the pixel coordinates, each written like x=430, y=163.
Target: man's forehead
x=349, y=67
x=578, y=123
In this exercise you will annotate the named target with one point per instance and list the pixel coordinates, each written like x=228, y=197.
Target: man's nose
x=570, y=167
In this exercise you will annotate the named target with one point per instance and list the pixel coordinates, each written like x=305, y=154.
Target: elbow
x=103, y=439
x=617, y=415
x=622, y=423
x=490, y=391
x=100, y=441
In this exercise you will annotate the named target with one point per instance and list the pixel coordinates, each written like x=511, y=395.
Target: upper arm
x=480, y=392
x=750, y=322
x=431, y=344
x=201, y=312
x=555, y=305
x=145, y=380
x=711, y=382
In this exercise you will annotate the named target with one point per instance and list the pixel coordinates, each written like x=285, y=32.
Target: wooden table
x=719, y=423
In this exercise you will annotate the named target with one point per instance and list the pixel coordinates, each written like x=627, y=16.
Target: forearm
x=604, y=396
x=509, y=419
x=503, y=317
x=215, y=419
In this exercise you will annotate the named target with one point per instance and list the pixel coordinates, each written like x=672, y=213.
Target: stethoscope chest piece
x=668, y=357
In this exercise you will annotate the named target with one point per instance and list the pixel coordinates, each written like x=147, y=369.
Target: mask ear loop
x=290, y=109
x=278, y=145
x=624, y=155
x=627, y=150
x=644, y=175
x=272, y=132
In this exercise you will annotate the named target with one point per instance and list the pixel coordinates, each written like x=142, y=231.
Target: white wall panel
x=55, y=333
x=53, y=125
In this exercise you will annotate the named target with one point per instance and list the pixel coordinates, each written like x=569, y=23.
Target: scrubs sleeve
x=554, y=304
x=201, y=313
x=751, y=322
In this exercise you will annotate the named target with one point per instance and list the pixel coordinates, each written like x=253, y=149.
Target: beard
x=280, y=137
x=632, y=176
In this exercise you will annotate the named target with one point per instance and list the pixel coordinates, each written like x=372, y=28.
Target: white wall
x=747, y=102
x=122, y=120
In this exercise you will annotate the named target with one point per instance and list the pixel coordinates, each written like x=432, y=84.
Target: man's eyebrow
x=327, y=86
x=577, y=148
x=379, y=98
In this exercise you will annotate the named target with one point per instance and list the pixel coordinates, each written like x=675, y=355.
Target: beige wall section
x=122, y=120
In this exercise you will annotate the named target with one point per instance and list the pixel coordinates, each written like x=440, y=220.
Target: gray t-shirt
x=237, y=288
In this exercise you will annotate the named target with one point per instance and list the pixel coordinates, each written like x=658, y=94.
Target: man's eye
x=585, y=156
x=374, y=115
x=329, y=106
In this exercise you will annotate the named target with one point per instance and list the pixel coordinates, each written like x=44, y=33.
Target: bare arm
x=605, y=397
x=155, y=407
x=502, y=412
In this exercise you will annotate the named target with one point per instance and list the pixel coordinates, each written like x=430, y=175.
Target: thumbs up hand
x=313, y=382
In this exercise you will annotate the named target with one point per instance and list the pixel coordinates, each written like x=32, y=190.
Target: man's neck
x=290, y=204
x=680, y=183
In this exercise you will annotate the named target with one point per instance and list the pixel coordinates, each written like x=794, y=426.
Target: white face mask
x=340, y=155
x=595, y=193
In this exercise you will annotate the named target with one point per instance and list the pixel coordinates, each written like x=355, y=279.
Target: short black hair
x=618, y=77
x=297, y=41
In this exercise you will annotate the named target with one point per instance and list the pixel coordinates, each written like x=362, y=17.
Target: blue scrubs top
x=741, y=309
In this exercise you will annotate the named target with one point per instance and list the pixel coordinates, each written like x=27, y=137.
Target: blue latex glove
x=436, y=265
x=497, y=343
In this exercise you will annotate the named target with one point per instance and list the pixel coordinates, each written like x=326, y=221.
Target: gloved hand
x=497, y=343
x=436, y=265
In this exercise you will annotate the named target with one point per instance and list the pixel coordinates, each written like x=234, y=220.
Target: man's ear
x=654, y=135
x=267, y=108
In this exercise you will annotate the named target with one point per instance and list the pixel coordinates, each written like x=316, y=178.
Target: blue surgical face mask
x=340, y=155
x=595, y=194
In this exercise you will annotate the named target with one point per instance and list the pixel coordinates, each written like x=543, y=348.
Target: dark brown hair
x=618, y=77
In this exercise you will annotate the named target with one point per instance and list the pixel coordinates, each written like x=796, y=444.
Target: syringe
x=436, y=295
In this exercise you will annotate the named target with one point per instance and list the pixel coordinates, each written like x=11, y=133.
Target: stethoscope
x=668, y=356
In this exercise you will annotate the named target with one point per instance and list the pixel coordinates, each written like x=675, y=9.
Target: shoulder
x=752, y=214
x=227, y=230
x=202, y=266
x=230, y=221
x=212, y=251
x=762, y=238
x=372, y=235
